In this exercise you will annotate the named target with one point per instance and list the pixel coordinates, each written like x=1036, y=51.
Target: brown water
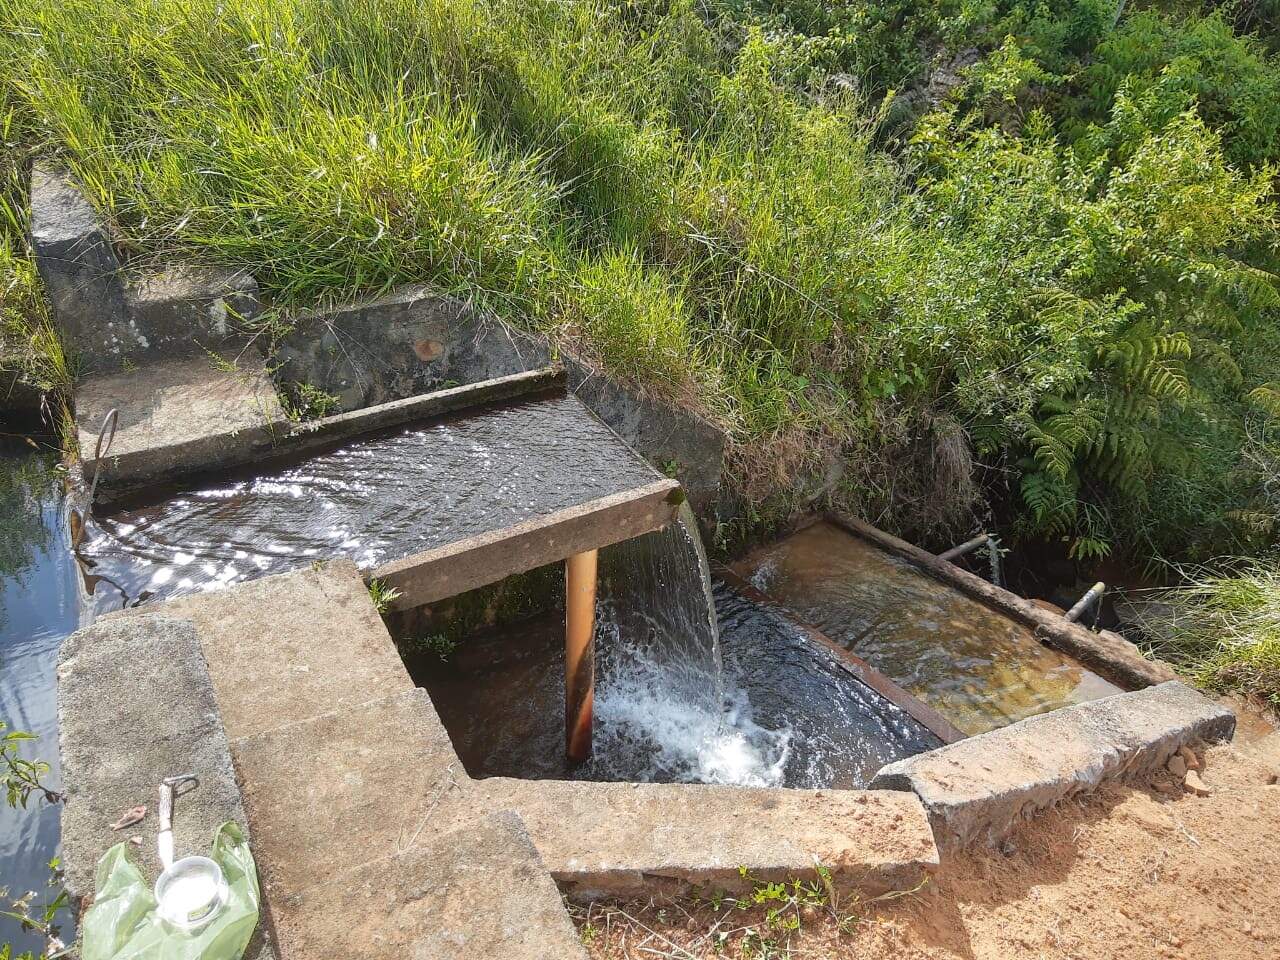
x=373, y=500
x=977, y=668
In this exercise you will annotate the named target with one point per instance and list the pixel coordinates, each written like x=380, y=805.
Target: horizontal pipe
x=967, y=547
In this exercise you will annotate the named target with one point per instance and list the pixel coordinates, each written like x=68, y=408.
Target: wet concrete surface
x=372, y=500
x=976, y=667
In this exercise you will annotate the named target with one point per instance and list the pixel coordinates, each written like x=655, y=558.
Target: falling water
x=664, y=709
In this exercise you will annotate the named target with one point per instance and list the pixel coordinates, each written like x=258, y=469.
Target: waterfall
x=664, y=710
x=656, y=603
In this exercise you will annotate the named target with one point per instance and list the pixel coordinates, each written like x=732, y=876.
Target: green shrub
x=1068, y=278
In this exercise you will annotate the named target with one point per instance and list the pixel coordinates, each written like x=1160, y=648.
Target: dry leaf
x=130, y=817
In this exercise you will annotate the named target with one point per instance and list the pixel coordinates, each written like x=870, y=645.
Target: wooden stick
x=579, y=652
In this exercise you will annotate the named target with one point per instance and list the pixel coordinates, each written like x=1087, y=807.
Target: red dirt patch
x=1126, y=873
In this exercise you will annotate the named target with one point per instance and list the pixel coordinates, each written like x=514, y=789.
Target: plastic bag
x=122, y=923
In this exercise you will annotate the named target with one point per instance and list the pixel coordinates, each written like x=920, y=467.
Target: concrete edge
x=980, y=788
x=1113, y=657
x=493, y=555
x=170, y=712
x=129, y=476
x=682, y=839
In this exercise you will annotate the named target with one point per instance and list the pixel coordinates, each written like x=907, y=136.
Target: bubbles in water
x=645, y=730
x=663, y=709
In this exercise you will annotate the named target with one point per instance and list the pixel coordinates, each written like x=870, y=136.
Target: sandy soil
x=1130, y=872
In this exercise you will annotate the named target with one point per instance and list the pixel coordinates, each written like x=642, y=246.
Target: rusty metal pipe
x=579, y=652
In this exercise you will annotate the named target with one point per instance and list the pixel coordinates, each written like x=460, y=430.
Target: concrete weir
x=354, y=796
x=980, y=788
x=288, y=698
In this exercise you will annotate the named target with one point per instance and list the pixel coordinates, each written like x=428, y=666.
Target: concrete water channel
x=837, y=697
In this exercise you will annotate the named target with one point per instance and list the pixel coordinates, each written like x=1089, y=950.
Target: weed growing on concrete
x=759, y=925
x=302, y=402
x=382, y=595
x=438, y=645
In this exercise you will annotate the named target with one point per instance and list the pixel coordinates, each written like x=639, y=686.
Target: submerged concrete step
x=292, y=646
x=175, y=415
x=477, y=893
x=623, y=839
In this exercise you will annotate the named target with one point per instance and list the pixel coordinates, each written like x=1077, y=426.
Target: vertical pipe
x=579, y=653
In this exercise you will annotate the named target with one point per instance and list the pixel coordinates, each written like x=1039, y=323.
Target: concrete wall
x=409, y=341
x=109, y=317
x=979, y=789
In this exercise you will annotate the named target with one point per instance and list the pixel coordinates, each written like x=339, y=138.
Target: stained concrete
x=187, y=309
x=109, y=317
x=297, y=645
x=625, y=839
x=349, y=787
x=673, y=439
x=351, y=784
x=414, y=340
x=409, y=341
x=176, y=416
x=136, y=705
x=122, y=730
x=80, y=270
x=477, y=893
x=980, y=788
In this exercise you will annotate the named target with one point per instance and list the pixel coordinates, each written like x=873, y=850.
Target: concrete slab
x=624, y=839
x=492, y=555
x=292, y=646
x=187, y=308
x=176, y=416
x=348, y=787
x=478, y=893
x=672, y=438
x=80, y=270
x=978, y=789
x=135, y=705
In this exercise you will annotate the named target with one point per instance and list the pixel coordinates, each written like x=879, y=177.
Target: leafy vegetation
x=1004, y=253
x=23, y=778
x=383, y=595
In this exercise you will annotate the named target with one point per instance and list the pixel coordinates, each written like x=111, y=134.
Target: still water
x=977, y=668
x=39, y=605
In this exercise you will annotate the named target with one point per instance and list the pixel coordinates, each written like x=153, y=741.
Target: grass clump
x=1226, y=634
x=1056, y=264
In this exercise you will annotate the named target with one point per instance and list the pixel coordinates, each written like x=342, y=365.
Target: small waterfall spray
x=662, y=700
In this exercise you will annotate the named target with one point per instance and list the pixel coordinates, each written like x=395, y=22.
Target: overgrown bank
x=1042, y=279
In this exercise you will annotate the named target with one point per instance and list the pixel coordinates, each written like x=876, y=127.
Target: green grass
x=1227, y=634
x=1060, y=277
